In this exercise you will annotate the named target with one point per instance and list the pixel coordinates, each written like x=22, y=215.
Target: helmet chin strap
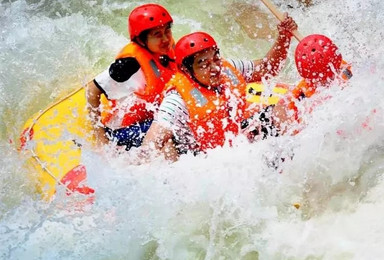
x=140, y=42
x=191, y=74
x=186, y=68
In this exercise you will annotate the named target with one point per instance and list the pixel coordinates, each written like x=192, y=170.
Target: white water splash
x=228, y=205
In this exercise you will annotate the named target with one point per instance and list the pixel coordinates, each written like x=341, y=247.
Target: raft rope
x=45, y=168
x=54, y=104
x=34, y=155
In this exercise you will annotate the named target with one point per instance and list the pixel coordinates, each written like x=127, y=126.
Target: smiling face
x=159, y=39
x=207, y=67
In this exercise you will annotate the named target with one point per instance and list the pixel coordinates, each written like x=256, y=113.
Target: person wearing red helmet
x=205, y=102
x=317, y=58
x=132, y=85
x=319, y=62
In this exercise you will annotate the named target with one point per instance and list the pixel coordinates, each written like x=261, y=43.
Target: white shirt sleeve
x=120, y=90
x=246, y=67
x=173, y=114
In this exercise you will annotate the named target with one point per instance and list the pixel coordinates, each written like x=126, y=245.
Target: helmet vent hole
x=192, y=44
x=151, y=18
x=205, y=39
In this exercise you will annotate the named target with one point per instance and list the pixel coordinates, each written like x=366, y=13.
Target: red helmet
x=191, y=44
x=146, y=17
x=317, y=57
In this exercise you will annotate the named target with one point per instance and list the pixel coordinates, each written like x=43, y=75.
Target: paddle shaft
x=279, y=15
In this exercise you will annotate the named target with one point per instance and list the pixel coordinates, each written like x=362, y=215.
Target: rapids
x=229, y=204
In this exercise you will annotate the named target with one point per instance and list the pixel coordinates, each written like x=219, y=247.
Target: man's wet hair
x=188, y=63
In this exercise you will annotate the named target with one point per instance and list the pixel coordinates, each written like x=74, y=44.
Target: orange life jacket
x=306, y=89
x=213, y=114
x=155, y=75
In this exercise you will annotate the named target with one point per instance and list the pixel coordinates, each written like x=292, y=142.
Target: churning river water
x=229, y=204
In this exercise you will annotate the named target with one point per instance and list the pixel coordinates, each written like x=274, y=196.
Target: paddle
x=280, y=16
x=346, y=72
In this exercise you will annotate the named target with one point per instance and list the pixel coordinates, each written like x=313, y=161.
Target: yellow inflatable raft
x=53, y=139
